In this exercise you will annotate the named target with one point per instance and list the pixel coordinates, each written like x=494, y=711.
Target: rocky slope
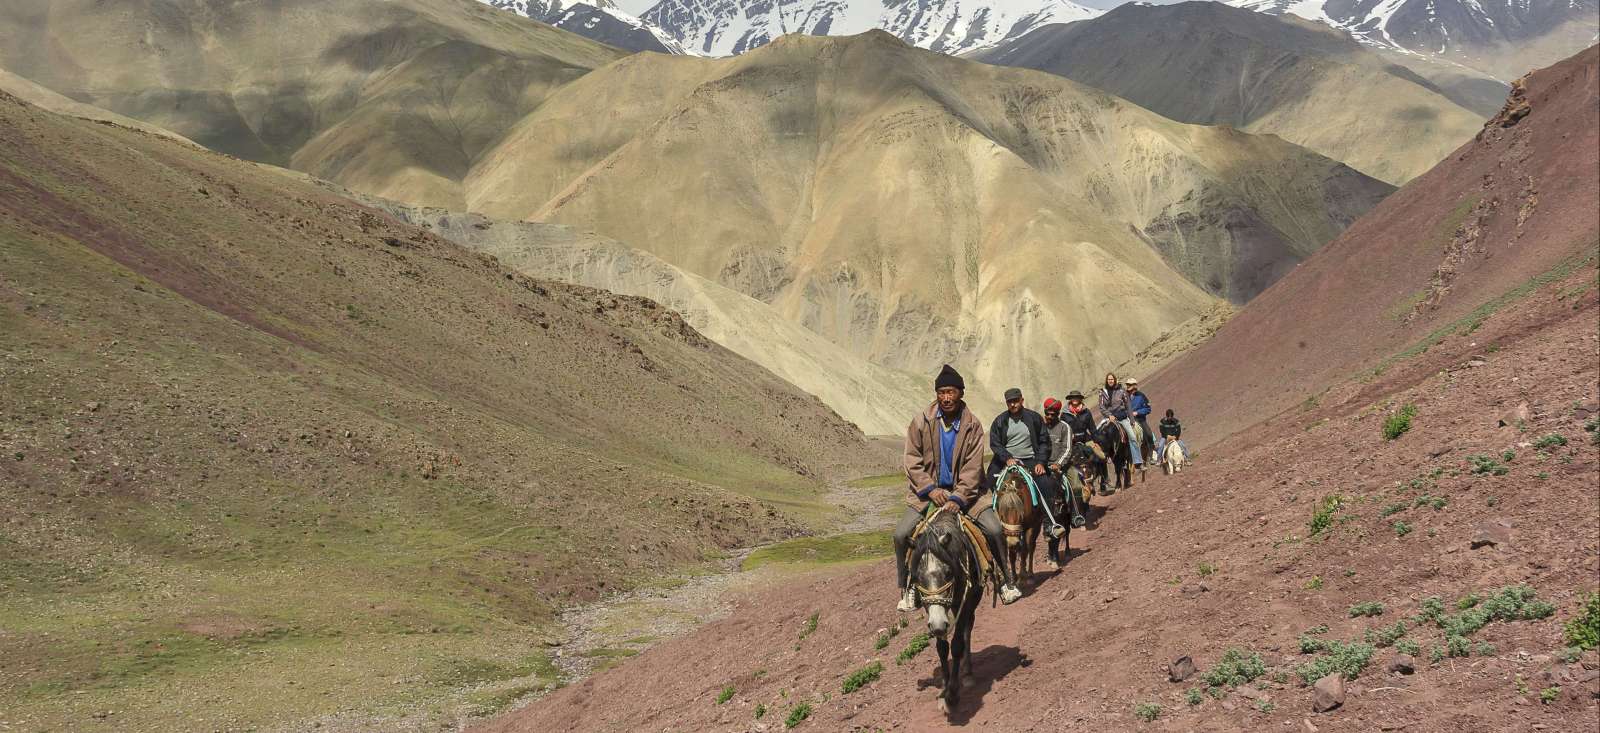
x=252, y=429
x=1495, y=218
x=921, y=209
x=1503, y=38
x=401, y=96
x=600, y=20
x=1210, y=64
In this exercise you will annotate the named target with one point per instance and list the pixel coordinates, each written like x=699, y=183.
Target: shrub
x=1392, y=509
x=913, y=648
x=1407, y=646
x=1437, y=502
x=1401, y=529
x=1482, y=464
x=1312, y=644
x=1193, y=696
x=1435, y=653
x=1570, y=654
x=1386, y=635
x=1508, y=456
x=1471, y=599
x=1432, y=610
x=1315, y=583
x=1322, y=516
x=1370, y=608
x=1583, y=630
x=1549, y=694
x=1457, y=646
x=797, y=714
x=725, y=695
x=761, y=710
x=1147, y=711
x=1265, y=705
x=1399, y=423
x=1346, y=659
x=1236, y=667
x=1206, y=569
x=1484, y=649
x=1553, y=440
x=862, y=677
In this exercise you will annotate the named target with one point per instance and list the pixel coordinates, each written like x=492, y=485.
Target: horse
x=1113, y=441
x=1070, y=507
x=946, y=574
x=1172, y=457
x=1021, y=519
x=1147, y=449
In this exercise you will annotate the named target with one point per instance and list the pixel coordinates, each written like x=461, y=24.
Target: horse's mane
x=929, y=540
x=1014, y=492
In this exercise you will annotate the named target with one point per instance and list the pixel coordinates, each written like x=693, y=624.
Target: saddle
x=974, y=535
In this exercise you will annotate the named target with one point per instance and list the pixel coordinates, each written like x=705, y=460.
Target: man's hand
x=1038, y=469
x=1012, y=462
x=939, y=497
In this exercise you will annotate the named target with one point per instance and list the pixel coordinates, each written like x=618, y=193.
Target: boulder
x=1327, y=693
x=1495, y=532
x=1402, y=663
x=1180, y=669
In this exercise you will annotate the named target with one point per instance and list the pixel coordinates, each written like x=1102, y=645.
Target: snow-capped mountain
x=599, y=20
x=1451, y=28
x=725, y=27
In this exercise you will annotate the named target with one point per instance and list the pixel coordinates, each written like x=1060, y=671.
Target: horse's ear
x=945, y=538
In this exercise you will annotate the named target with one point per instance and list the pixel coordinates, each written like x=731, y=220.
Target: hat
x=1013, y=394
x=949, y=377
x=1130, y=380
x=1050, y=403
x=1075, y=395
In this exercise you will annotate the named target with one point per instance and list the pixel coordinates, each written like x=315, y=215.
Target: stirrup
x=1056, y=531
x=1009, y=594
x=1078, y=522
x=908, y=602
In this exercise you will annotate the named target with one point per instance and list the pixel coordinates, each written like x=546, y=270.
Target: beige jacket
x=922, y=458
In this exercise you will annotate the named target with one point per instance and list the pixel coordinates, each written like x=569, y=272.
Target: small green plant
x=1408, y=646
x=1486, y=465
x=1147, y=711
x=1470, y=600
x=797, y=715
x=1206, y=569
x=1264, y=705
x=1312, y=644
x=1431, y=610
x=1193, y=696
x=761, y=710
x=1349, y=573
x=913, y=648
x=725, y=695
x=1435, y=653
x=1315, y=583
x=1318, y=629
x=1236, y=667
x=1457, y=646
x=810, y=625
x=1347, y=659
x=1386, y=635
x=1569, y=654
x=862, y=677
x=1437, y=502
x=1552, y=440
x=1399, y=423
x=1583, y=630
x=1508, y=456
x=1392, y=509
x=1522, y=686
x=1542, y=475
x=1369, y=608
x=1322, y=516
x=1401, y=529
x=1492, y=501
x=1484, y=649
x=1549, y=694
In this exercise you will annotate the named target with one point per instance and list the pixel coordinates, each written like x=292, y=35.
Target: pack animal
x=947, y=576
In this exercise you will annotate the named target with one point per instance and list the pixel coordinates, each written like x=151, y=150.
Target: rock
x=1402, y=663
x=1590, y=659
x=1327, y=693
x=1495, y=532
x=1180, y=669
x=1439, y=451
x=1477, y=361
x=1307, y=726
x=1517, y=417
x=1249, y=693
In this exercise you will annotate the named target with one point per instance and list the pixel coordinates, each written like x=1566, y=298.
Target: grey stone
x=1327, y=693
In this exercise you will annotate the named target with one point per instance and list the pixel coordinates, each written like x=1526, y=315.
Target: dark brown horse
x=1113, y=441
x=945, y=572
x=1020, y=517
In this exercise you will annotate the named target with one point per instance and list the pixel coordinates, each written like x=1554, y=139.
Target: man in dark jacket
x=943, y=461
x=1078, y=418
x=1019, y=437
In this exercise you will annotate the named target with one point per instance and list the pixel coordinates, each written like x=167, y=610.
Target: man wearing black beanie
x=944, y=464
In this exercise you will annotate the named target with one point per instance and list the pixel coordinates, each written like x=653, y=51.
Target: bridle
x=943, y=595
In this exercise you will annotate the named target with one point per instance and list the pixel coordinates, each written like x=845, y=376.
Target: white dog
x=1172, y=457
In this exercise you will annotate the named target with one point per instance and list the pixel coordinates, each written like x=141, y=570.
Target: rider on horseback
x=943, y=463
x=1139, y=407
x=1019, y=437
x=1114, y=404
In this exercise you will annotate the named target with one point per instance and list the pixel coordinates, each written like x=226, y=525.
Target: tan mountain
x=918, y=208
x=257, y=437
x=422, y=86
x=1208, y=63
x=877, y=399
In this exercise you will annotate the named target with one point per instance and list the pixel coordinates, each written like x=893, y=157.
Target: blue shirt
x=1140, y=404
x=947, y=448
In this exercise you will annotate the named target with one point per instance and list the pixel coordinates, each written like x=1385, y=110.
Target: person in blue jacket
x=1139, y=410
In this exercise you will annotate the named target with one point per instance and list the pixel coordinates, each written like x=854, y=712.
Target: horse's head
x=1081, y=456
x=936, y=567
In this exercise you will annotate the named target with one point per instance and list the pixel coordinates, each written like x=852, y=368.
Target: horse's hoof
x=944, y=707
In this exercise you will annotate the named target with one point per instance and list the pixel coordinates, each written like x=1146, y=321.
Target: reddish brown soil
x=1088, y=644
x=1501, y=210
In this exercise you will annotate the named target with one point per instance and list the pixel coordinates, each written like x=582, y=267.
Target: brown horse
x=1113, y=441
x=1021, y=518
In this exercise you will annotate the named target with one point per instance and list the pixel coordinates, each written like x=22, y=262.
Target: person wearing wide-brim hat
x=943, y=461
x=1077, y=416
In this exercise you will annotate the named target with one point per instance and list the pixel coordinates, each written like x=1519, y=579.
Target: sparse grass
x=761, y=710
x=1193, y=696
x=797, y=715
x=1147, y=711
x=1486, y=465
x=913, y=648
x=810, y=626
x=1549, y=694
x=1383, y=636
x=1569, y=654
x=808, y=551
x=1236, y=667
x=1368, y=608
x=1437, y=502
x=1401, y=529
x=1399, y=423
x=862, y=677
x=1551, y=440
x=1264, y=705
x=1315, y=583
x=1408, y=646
x=1392, y=510
x=1206, y=569
x=1583, y=630
x=1322, y=517
x=883, y=638
x=1484, y=649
